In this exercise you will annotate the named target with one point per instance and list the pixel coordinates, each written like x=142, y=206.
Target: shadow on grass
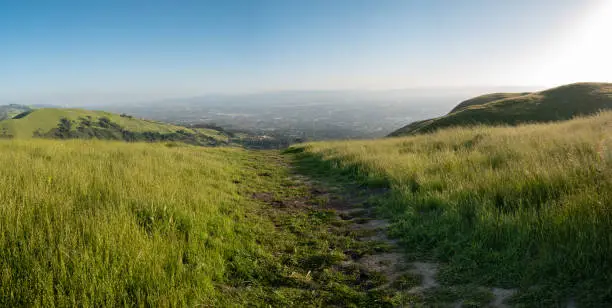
x=335, y=171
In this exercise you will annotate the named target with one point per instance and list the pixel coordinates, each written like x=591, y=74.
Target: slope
x=484, y=99
x=87, y=124
x=561, y=103
x=524, y=208
x=93, y=223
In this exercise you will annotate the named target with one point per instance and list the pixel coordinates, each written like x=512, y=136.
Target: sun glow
x=585, y=53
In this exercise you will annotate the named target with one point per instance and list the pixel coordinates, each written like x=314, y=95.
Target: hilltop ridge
x=560, y=103
x=484, y=99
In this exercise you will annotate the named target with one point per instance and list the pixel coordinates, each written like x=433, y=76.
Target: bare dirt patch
x=501, y=296
x=386, y=263
x=273, y=201
x=373, y=224
x=428, y=272
x=417, y=280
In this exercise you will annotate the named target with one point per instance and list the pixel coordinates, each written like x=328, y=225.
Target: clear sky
x=143, y=49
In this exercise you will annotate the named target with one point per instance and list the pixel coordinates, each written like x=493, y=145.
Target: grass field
x=94, y=223
x=101, y=223
x=526, y=207
x=109, y=223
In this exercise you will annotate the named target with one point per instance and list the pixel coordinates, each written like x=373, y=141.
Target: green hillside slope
x=556, y=104
x=526, y=207
x=484, y=99
x=90, y=223
x=86, y=124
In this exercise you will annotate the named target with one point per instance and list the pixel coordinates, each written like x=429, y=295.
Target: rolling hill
x=561, y=103
x=520, y=209
x=59, y=123
x=484, y=99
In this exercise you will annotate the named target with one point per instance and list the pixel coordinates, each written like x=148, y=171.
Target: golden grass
x=518, y=206
x=92, y=223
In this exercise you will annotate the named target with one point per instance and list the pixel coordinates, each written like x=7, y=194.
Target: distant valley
x=297, y=116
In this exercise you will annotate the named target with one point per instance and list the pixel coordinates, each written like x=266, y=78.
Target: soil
x=392, y=263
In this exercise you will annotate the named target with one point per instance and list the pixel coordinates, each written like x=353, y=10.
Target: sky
x=134, y=50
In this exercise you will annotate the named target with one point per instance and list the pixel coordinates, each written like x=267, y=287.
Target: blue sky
x=133, y=50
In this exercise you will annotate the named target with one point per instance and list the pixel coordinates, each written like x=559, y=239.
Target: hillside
x=99, y=223
x=526, y=208
x=472, y=216
x=484, y=99
x=561, y=103
x=92, y=223
x=85, y=124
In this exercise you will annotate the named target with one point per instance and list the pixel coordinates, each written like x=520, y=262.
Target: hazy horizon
x=73, y=52
x=102, y=99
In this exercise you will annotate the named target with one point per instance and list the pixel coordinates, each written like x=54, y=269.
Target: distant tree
x=104, y=122
x=63, y=128
x=85, y=121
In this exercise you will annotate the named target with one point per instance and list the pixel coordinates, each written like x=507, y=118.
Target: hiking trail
x=416, y=279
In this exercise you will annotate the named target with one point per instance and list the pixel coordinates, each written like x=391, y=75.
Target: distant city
x=296, y=116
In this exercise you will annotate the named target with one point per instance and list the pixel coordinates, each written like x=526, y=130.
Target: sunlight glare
x=585, y=54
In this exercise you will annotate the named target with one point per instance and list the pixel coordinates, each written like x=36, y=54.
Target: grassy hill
x=86, y=124
x=526, y=207
x=484, y=99
x=106, y=223
x=555, y=104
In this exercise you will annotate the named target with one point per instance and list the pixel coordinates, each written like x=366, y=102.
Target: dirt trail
x=417, y=279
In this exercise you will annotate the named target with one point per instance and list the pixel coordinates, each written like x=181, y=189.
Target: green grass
x=108, y=223
x=485, y=99
x=96, y=223
x=527, y=207
x=46, y=119
x=562, y=103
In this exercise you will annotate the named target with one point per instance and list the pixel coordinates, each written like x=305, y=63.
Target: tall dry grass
x=92, y=223
x=527, y=206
